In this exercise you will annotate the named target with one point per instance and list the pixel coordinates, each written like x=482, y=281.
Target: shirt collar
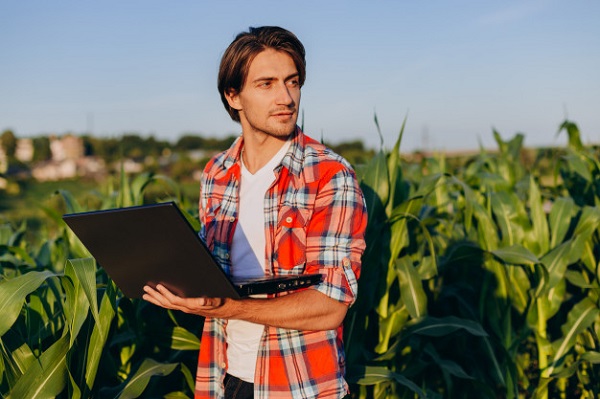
x=292, y=160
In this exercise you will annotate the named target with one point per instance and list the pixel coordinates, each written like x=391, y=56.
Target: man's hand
x=161, y=296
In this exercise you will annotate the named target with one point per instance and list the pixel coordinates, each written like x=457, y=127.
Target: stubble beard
x=275, y=128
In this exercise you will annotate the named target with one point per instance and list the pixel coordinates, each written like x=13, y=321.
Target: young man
x=276, y=202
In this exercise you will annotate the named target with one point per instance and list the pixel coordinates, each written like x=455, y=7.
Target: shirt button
x=232, y=219
x=289, y=219
x=346, y=262
x=226, y=256
x=223, y=365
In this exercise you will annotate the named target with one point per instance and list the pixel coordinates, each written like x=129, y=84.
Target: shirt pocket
x=211, y=223
x=290, y=239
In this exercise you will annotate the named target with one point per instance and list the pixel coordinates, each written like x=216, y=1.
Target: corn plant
x=480, y=283
x=68, y=332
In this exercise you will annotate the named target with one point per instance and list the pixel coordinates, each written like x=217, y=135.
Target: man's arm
x=307, y=310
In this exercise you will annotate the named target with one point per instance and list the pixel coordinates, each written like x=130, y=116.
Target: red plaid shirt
x=315, y=220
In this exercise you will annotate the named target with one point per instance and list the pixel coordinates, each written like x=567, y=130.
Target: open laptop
x=152, y=244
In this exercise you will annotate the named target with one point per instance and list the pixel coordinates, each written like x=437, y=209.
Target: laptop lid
x=152, y=244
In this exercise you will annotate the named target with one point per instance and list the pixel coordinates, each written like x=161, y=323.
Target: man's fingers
x=161, y=296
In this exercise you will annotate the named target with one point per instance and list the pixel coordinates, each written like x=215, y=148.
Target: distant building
x=24, y=150
x=66, y=147
x=3, y=161
x=88, y=167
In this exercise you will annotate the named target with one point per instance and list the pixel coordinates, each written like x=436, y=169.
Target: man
x=276, y=202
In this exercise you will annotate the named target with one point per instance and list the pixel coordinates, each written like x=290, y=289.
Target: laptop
x=155, y=244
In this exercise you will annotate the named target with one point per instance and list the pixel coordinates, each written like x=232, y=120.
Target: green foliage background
x=480, y=279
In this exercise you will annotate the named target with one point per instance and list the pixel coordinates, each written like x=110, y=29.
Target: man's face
x=269, y=100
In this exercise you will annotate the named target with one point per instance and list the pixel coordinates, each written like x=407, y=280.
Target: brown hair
x=241, y=52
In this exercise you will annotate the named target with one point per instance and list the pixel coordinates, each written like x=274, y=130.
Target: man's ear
x=233, y=98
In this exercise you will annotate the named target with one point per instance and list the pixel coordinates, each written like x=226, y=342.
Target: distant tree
x=190, y=142
x=134, y=146
x=88, y=145
x=9, y=143
x=356, y=145
x=41, y=149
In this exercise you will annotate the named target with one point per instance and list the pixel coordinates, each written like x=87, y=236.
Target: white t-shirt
x=248, y=260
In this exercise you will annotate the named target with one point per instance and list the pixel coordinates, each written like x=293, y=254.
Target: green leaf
x=45, y=378
x=376, y=179
x=579, y=319
x=447, y=366
x=557, y=260
x=138, y=382
x=13, y=293
x=184, y=340
x=76, y=306
x=588, y=222
x=573, y=132
x=71, y=204
x=100, y=333
x=411, y=288
x=504, y=207
x=84, y=270
x=486, y=228
x=579, y=166
x=541, y=233
x=176, y=395
x=560, y=219
x=438, y=327
x=372, y=375
x=515, y=255
x=397, y=192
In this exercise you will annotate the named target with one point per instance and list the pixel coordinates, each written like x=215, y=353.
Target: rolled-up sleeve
x=335, y=236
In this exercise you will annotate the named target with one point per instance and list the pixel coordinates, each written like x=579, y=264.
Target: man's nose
x=284, y=96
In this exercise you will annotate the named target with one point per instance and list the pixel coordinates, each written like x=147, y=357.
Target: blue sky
x=456, y=70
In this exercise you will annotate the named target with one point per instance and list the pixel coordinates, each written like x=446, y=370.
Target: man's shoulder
x=319, y=160
x=221, y=162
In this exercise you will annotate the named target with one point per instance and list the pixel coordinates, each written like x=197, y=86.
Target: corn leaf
x=71, y=204
x=412, y=293
x=541, y=236
x=13, y=293
x=184, y=340
x=515, y=255
x=372, y=375
x=579, y=166
x=45, y=378
x=579, y=318
x=84, y=271
x=437, y=327
x=447, y=366
x=397, y=192
x=503, y=206
x=76, y=306
x=588, y=222
x=376, y=180
x=486, y=229
x=557, y=260
x=100, y=334
x=560, y=219
x=138, y=382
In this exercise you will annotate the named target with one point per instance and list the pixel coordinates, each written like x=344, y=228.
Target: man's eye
x=294, y=83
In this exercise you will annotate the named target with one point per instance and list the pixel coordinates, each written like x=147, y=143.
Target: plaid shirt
x=315, y=219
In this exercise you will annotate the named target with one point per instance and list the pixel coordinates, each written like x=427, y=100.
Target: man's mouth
x=283, y=113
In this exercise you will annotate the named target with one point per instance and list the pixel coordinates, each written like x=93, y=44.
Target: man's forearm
x=304, y=310
x=307, y=310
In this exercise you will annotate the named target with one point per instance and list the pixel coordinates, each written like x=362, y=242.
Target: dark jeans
x=238, y=389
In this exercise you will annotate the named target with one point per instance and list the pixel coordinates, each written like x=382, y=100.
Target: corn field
x=480, y=280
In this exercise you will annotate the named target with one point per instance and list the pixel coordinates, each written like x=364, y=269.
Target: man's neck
x=258, y=151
